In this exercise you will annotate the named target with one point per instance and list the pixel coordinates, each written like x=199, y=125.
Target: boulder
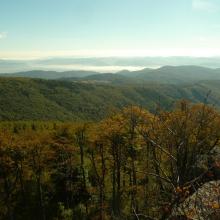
x=204, y=204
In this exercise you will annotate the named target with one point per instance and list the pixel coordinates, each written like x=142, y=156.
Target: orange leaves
x=182, y=192
x=179, y=190
x=216, y=205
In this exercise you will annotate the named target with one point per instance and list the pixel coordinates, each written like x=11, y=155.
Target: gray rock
x=204, y=204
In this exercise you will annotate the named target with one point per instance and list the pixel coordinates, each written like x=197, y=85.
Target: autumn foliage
x=132, y=165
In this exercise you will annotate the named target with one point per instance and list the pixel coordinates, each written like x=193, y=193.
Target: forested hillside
x=36, y=99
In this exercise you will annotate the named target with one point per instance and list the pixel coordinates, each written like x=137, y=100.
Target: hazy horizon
x=126, y=28
x=108, y=36
x=103, y=64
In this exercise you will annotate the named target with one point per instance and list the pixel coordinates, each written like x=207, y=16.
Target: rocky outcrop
x=204, y=204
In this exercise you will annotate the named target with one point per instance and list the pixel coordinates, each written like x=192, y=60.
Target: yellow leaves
x=179, y=190
x=191, y=213
x=119, y=123
x=216, y=205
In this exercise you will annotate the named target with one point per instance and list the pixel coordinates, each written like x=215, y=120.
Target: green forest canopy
x=37, y=99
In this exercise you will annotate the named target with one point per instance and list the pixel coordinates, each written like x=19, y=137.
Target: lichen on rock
x=204, y=204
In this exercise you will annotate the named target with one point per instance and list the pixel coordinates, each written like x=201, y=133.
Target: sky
x=44, y=28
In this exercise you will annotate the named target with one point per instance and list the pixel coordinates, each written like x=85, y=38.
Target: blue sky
x=38, y=28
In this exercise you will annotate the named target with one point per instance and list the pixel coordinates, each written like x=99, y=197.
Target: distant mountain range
x=103, y=64
x=41, y=74
x=176, y=74
x=163, y=75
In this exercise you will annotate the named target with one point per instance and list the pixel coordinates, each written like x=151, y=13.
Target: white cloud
x=205, y=5
x=3, y=35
